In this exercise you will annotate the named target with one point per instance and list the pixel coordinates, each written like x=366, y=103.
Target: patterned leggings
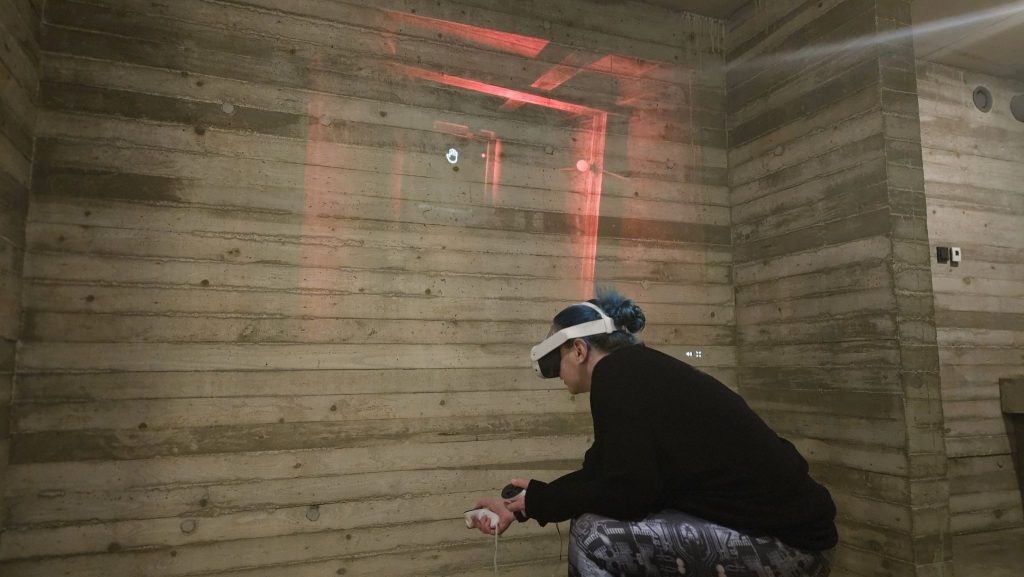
x=674, y=543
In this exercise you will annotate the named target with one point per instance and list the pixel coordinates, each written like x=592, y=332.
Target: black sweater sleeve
x=624, y=482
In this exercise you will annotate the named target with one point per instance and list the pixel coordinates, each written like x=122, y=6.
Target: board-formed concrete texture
x=19, y=82
x=834, y=312
x=974, y=169
x=270, y=329
x=989, y=554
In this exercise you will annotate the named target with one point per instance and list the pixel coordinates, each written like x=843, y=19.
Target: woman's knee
x=599, y=546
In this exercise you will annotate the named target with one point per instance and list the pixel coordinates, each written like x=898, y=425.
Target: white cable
x=558, y=529
x=495, y=550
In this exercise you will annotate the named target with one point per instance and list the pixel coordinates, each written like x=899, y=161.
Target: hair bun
x=623, y=311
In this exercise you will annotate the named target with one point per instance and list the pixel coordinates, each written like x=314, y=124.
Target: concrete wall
x=269, y=329
x=833, y=291
x=19, y=83
x=974, y=170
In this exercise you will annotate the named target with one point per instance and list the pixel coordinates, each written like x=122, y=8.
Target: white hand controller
x=483, y=514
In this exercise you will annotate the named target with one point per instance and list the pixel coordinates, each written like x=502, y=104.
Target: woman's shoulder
x=641, y=360
x=623, y=357
x=650, y=357
x=642, y=364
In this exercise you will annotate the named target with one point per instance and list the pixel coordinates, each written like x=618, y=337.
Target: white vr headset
x=546, y=357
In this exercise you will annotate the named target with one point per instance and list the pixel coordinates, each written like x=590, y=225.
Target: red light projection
x=593, y=154
x=625, y=87
x=560, y=73
x=622, y=67
x=587, y=203
x=493, y=90
x=492, y=159
x=315, y=186
x=504, y=41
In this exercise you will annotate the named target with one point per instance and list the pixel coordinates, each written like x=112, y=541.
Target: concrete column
x=835, y=312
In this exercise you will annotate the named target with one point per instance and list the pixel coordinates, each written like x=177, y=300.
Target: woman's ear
x=580, y=350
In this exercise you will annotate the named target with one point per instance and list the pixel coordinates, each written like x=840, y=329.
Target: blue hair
x=628, y=317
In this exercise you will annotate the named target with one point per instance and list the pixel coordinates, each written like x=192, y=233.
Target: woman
x=682, y=477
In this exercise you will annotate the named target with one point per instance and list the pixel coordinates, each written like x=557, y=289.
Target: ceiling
x=980, y=35
x=720, y=9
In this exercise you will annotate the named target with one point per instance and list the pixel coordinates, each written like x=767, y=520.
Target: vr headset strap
x=603, y=325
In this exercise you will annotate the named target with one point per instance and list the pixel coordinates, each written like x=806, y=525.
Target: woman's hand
x=505, y=517
x=504, y=508
x=519, y=503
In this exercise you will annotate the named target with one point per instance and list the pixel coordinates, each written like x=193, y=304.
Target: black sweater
x=668, y=436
